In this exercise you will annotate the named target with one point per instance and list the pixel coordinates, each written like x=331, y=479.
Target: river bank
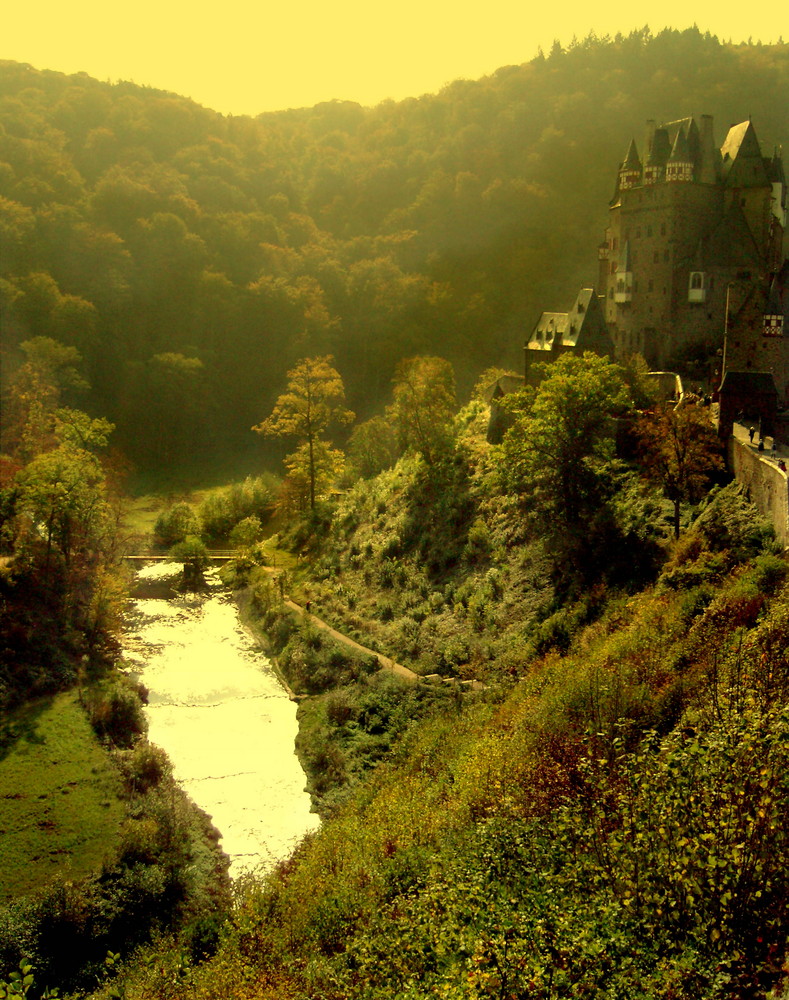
x=220, y=712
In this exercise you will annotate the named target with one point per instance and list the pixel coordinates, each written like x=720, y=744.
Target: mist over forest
x=192, y=258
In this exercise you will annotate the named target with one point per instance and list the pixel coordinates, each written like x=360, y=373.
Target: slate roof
x=730, y=244
x=743, y=164
x=749, y=383
x=632, y=160
x=555, y=329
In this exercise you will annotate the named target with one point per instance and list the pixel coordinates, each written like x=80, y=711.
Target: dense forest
x=191, y=258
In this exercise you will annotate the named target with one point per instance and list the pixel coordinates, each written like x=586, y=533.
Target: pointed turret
x=657, y=157
x=743, y=166
x=630, y=171
x=680, y=163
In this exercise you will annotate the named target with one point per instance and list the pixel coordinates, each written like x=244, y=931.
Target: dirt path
x=384, y=661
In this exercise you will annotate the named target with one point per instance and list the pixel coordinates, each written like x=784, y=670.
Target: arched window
x=697, y=287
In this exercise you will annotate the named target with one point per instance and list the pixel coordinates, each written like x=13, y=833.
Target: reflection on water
x=227, y=725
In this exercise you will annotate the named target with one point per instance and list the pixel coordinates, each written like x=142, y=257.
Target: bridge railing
x=211, y=554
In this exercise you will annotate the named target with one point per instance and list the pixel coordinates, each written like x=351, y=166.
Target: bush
x=175, y=524
x=220, y=512
x=769, y=572
x=116, y=713
x=730, y=522
x=144, y=767
x=246, y=533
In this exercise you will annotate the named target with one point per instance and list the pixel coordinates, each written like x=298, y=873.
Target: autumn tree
x=50, y=371
x=680, y=451
x=423, y=406
x=313, y=401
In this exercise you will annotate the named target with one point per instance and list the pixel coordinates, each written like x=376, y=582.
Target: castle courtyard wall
x=768, y=486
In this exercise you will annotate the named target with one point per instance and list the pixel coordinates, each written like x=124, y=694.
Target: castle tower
x=630, y=171
x=696, y=220
x=756, y=350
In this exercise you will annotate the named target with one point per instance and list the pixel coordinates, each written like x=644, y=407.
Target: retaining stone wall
x=767, y=485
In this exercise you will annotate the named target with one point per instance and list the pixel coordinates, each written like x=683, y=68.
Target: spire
x=632, y=161
x=680, y=164
x=657, y=156
x=742, y=158
x=630, y=171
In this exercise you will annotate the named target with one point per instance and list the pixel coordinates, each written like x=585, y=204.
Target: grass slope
x=59, y=797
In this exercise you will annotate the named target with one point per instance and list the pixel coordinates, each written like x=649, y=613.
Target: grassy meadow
x=60, y=806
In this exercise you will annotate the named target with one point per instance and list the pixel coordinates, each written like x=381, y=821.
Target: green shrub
x=244, y=534
x=175, y=524
x=769, y=572
x=116, y=713
x=144, y=767
x=479, y=543
x=221, y=511
x=730, y=522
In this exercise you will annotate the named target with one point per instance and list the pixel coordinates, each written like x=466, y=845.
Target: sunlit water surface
x=224, y=720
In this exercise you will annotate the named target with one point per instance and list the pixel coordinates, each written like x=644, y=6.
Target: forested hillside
x=192, y=258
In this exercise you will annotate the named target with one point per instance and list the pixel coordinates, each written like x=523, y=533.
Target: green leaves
x=21, y=981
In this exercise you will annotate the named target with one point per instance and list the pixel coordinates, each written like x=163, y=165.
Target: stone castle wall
x=767, y=485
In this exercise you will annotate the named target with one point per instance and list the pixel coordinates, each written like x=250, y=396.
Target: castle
x=686, y=224
x=692, y=260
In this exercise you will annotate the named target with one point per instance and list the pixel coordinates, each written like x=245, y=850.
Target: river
x=217, y=709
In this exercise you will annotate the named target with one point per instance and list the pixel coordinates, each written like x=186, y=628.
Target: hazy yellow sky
x=242, y=57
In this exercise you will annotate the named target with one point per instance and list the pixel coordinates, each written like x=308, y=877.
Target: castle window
x=624, y=287
x=697, y=290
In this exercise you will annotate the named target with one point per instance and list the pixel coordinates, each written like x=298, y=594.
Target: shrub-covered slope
x=612, y=824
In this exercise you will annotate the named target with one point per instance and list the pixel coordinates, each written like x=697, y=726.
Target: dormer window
x=697, y=287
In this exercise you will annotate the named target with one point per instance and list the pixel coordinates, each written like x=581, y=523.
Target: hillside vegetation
x=606, y=817
x=192, y=258
x=603, y=814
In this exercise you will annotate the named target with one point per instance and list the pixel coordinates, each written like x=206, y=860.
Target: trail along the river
x=224, y=720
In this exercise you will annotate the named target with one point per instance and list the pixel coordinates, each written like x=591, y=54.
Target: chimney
x=650, y=138
x=708, y=165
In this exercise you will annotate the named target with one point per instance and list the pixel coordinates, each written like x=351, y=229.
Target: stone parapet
x=760, y=473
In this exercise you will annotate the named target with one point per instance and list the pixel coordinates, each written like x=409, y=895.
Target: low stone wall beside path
x=760, y=473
